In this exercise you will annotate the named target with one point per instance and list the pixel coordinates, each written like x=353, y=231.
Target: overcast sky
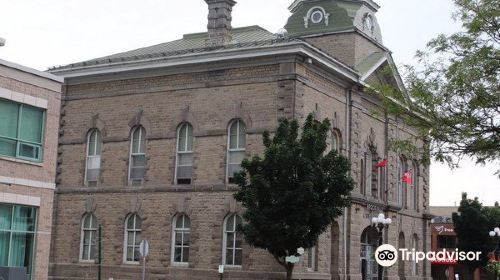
x=54, y=32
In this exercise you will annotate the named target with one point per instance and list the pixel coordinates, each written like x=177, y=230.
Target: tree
x=473, y=222
x=294, y=192
x=456, y=89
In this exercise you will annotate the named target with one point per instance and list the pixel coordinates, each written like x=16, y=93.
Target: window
x=414, y=265
x=17, y=236
x=89, y=237
x=336, y=141
x=93, y=165
x=413, y=188
x=369, y=243
x=133, y=228
x=181, y=238
x=21, y=130
x=368, y=173
x=232, y=251
x=184, y=160
x=368, y=23
x=236, y=148
x=402, y=169
x=312, y=259
x=137, y=156
x=447, y=242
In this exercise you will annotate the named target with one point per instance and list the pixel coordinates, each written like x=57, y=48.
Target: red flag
x=381, y=164
x=407, y=177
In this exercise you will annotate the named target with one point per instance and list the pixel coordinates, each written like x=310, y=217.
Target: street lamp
x=495, y=234
x=380, y=222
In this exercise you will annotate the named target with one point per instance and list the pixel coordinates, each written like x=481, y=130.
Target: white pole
x=143, y=268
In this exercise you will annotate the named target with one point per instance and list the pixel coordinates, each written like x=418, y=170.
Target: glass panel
x=138, y=161
x=31, y=124
x=233, y=135
x=85, y=252
x=98, y=142
x=138, y=238
x=93, y=250
x=135, y=141
x=24, y=218
x=177, y=254
x=8, y=147
x=87, y=237
x=137, y=254
x=91, y=147
x=242, y=136
x=29, y=150
x=238, y=256
x=4, y=248
x=138, y=222
x=178, y=238
x=230, y=240
x=131, y=222
x=9, y=114
x=20, y=253
x=186, y=159
x=187, y=222
x=179, y=222
x=186, y=239
x=189, y=137
x=182, y=138
x=130, y=254
x=230, y=223
x=185, y=255
x=229, y=257
x=239, y=241
x=86, y=222
x=236, y=157
x=5, y=216
x=130, y=238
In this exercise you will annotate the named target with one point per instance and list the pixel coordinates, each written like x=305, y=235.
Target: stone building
x=30, y=102
x=150, y=139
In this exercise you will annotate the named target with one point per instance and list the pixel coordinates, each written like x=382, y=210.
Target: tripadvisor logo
x=386, y=255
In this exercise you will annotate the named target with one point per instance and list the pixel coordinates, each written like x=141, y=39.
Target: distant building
x=151, y=138
x=30, y=102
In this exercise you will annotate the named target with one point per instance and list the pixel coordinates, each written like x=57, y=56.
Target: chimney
x=219, y=22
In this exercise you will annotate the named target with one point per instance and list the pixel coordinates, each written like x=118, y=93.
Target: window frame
x=414, y=265
x=142, y=133
x=88, y=156
x=336, y=139
x=224, y=241
x=183, y=231
x=402, y=169
x=415, y=185
x=82, y=237
x=234, y=150
x=186, y=152
x=135, y=230
x=18, y=141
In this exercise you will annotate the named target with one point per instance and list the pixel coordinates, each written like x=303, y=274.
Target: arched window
x=413, y=189
x=184, y=160
x=88, y=243
x=414, y=265
x=401, y=263
x=232, y=241
x=369, y=243
x=93, y=159
x=181, y=238
x=402, y=169
x=133, y=229
x=236, y=148
x=336, y=141
x=137, y=161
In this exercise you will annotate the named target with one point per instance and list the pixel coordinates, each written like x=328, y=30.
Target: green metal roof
x=190, y=43
x=369, y=62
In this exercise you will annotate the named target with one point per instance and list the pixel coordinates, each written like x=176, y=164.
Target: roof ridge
x=235, y=29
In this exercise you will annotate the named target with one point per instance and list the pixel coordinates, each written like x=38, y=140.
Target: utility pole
x=99, y=257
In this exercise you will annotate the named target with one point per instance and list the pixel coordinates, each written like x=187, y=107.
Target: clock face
x=317, y=16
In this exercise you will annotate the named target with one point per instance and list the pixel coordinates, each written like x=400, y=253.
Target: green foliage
x=295, y=191
x=455, y=88
x=473, y=222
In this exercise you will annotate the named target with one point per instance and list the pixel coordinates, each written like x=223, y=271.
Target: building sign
x=443, y=229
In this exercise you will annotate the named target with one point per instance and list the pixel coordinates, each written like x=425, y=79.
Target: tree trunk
x=289, y=271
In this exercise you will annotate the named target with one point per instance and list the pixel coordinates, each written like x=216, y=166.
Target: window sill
x=131, y=263
x=232, y=267
x=87, y=261
x=39, y=164
x=177, y=264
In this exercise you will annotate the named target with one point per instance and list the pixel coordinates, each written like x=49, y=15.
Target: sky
x=41, y=34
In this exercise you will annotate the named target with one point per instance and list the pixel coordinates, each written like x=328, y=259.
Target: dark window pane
x=31, y=124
